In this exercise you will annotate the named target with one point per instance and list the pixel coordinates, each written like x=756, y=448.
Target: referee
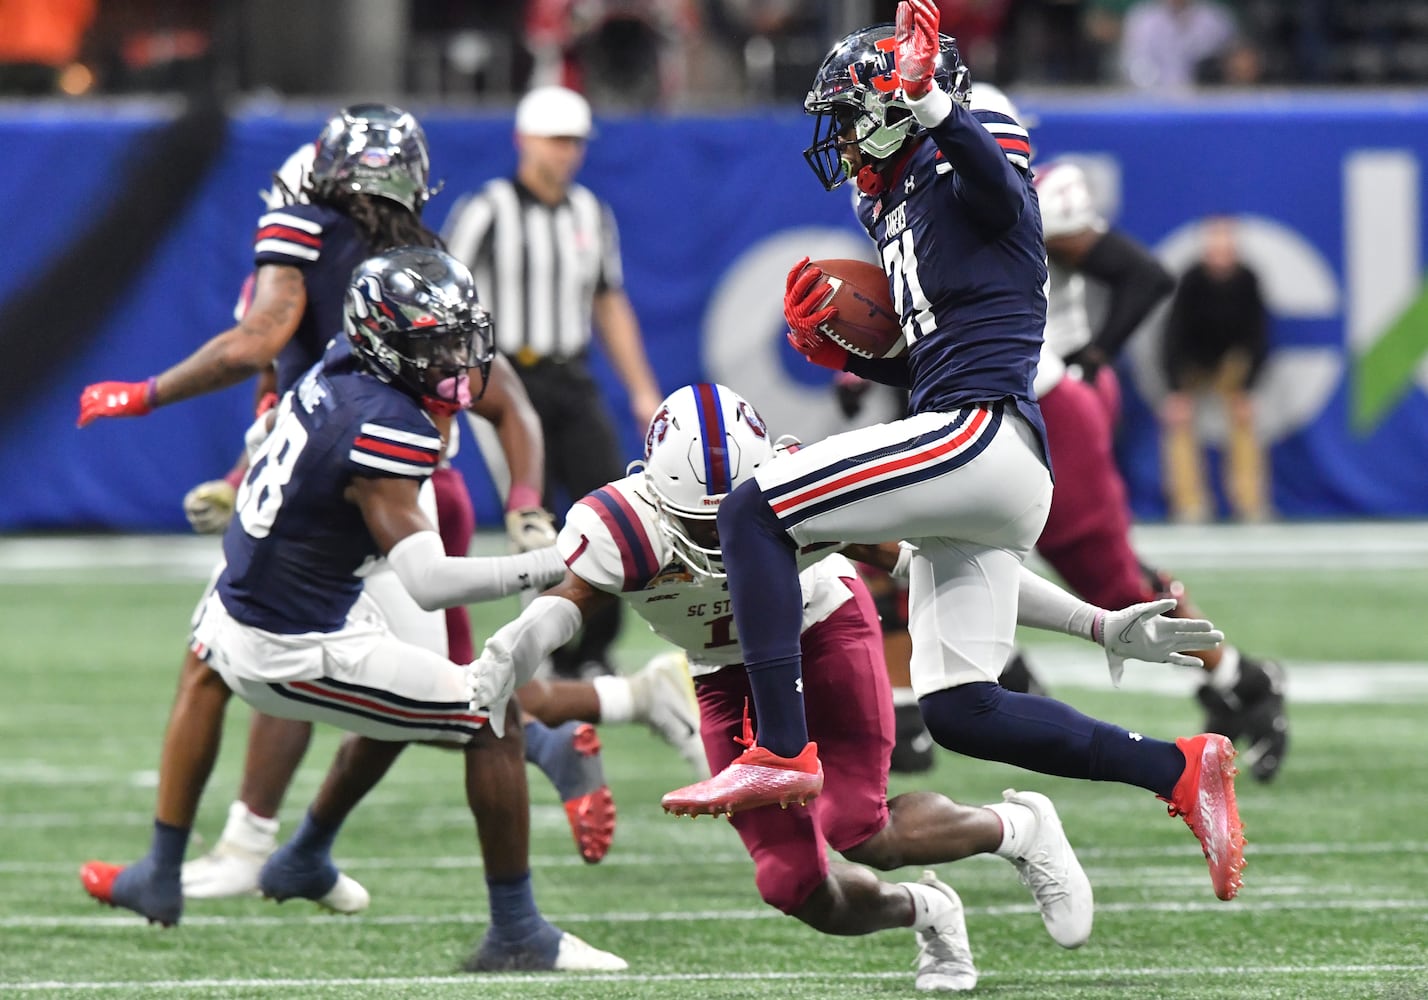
x=546, y=255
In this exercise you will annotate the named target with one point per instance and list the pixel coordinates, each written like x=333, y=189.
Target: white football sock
x=617, y=699
x=903, y=696
x=248, y=830
x=1225, y=676
x=928, y=905
x=1019, y=824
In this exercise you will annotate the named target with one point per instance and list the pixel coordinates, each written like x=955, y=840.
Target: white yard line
x=467, y=982
x=645, y=859
x=132, y=921
x=1323, y=546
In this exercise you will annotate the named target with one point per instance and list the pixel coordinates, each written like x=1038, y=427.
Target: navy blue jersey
x=325, y=244
x=295, y=543
x=959, y=235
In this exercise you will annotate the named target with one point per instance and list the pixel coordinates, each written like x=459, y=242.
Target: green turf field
x=1335, y=903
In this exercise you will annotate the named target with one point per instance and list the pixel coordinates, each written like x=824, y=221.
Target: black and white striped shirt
x=537, y=266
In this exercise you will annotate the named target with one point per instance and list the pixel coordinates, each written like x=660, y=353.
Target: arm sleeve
x=993, y=191
x=612, y=268
x=1042, y=604
x=546, y=624
x=888, y=371
x=1137, y=283
x=436, y=580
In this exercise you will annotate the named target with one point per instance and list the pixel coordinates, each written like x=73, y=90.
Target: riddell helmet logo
x=885, y=79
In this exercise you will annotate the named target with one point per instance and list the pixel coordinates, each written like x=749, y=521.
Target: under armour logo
x=798, y=685
x=1136, y=736
x=907, y=185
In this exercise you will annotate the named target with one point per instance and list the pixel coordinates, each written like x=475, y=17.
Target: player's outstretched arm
x=414, y=550
x=1137, y=283
x=238, y=353
x=1139, y=632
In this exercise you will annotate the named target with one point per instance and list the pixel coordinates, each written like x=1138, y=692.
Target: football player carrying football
x=288, y=627
x=947, y=196
x=651, y=540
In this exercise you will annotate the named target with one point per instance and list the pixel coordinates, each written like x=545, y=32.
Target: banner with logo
x=712, y=212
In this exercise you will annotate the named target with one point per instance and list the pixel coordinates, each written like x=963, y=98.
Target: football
x=866, y=324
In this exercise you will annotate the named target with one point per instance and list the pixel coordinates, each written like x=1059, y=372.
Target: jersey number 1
x=900, y=264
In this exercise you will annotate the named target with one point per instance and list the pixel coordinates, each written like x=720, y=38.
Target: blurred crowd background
x=682, y=54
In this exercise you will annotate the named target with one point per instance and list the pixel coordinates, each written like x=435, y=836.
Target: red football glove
x=917, y=45
x=819, y=349
x=115, y=399
x=802, y=296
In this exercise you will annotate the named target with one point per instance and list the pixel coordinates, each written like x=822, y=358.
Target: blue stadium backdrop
x=712, y=212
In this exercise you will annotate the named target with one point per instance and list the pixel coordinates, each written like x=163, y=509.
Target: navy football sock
x=1041, y=734
x=514, y=916
x=762, y=564
x=168, y=846
x=313, y=837
x=553, y=751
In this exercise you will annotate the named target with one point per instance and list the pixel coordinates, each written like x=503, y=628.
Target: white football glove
x=209, y=506
x=530, y=528
x=490, y=683
x=1143, y=632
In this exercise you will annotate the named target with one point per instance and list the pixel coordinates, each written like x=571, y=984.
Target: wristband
x=234, y=478
x=522, y=497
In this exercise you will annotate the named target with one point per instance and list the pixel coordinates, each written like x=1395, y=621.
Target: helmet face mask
x=857, y=100
x=373, y=149
x=413, y=319
x=704, y=441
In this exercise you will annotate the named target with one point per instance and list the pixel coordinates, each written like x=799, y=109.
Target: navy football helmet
x=858, y=88
x=373, y=149
x=413, y=319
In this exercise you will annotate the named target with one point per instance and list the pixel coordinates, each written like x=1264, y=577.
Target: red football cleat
x=755, y=778
x=98, y=879
x=591, y=815
x=1205, y=798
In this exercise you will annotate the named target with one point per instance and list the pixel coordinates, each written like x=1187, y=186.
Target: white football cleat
x=664, y=700
x=346, y=897
x=226, y=871
x=574, y=955
x=944, y=958
x=1049, y=868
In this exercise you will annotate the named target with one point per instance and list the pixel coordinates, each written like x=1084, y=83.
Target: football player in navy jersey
x=358, y=190
x=333, y=487
x=947, y=196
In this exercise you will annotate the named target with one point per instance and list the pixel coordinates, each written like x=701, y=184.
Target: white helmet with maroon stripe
x=704, y=441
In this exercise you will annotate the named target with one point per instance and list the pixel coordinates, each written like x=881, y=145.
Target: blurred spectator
x=155, y=45
x=39, y=39
x=621, y=53
x=1174, y=44
x=978, y=27
x=1216, y=340
x=764, y=50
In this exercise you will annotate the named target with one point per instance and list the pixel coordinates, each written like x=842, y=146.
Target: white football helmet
x=704, y=440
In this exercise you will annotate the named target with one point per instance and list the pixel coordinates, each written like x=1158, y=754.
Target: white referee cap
x=553, y=111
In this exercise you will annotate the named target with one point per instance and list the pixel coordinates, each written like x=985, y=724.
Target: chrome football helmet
x=413, y=319
x=858, y=88
x=373, y=149
x=704, y=440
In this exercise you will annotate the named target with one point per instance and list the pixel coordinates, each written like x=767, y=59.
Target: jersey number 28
x=261, y=494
